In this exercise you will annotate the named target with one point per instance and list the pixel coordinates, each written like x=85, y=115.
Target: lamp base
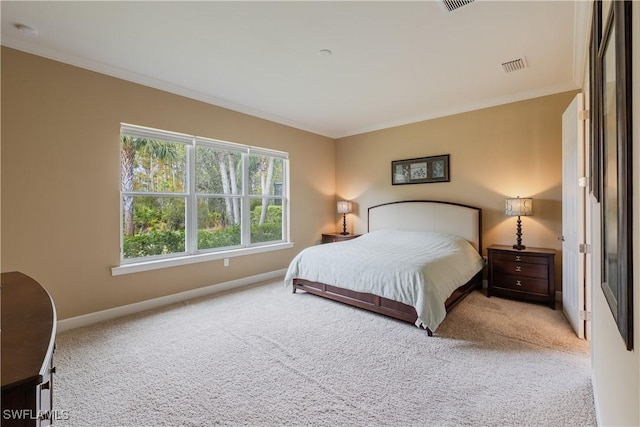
x=519, y=246
x=344, y=224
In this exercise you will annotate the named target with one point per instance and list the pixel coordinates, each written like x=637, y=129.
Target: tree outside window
x=185, y=195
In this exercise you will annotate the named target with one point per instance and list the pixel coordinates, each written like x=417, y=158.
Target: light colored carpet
x=262, y=356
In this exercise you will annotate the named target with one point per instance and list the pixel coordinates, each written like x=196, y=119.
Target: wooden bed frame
x=414, y=215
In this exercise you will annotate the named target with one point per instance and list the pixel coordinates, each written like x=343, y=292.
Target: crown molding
x=101, y=68
x=523, y=96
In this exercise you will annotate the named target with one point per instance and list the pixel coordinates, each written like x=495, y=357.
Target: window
x=184, y=195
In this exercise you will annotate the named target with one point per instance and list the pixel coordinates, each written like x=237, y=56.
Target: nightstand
x=527, y=275
x=337, y=237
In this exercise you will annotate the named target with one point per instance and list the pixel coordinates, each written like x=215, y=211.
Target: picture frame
x=420, y=170
x=612, y=142
x=595, y=187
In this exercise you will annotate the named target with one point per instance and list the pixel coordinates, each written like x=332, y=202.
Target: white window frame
x=192, y=254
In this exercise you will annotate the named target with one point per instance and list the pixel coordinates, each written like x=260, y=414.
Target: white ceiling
x=393, y=62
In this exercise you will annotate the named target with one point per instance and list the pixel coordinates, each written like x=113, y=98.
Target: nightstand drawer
x=521, y=269
x=522, y=284
x=332, y=238
x=515, y=257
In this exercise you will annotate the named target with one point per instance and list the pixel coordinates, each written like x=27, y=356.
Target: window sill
x=192, y=259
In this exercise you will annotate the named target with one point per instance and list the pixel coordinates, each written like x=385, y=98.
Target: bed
x=417, y=261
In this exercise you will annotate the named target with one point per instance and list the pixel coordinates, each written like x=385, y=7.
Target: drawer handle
x=518, y=283
x=46, y=386
x=518, y=258
x=518, y=268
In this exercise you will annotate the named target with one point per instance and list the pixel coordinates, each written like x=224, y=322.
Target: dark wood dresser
x=28, y=340
x=337, y=237
x=528, y=274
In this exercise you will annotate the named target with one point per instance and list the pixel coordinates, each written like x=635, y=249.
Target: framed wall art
x=612, y=134
x=420, y=170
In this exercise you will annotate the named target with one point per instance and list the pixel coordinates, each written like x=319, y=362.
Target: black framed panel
x=594, y=151
x=612, y=158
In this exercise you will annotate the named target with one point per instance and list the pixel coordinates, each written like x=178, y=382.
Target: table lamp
x=518, y=207
x=344, y=207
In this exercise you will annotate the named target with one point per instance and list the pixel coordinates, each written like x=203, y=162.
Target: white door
x=573, y=215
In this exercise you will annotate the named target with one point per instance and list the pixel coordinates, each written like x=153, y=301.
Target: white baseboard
x=595, y=394
x=112, y=313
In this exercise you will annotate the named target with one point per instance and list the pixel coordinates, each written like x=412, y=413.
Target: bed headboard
x=429, y=215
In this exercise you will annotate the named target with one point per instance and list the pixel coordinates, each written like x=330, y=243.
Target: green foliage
x=173, y=213
x=211, y=213
x=158, y=214
x=145, y=215
x=208, y=218
x=159, y=166
x=156, y=239
x=219, y=238
x=274, y=214
x=153, y=243
x=170, y=242
x=266, y=232
x=271, y=229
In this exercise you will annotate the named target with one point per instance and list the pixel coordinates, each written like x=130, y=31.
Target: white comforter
x=421, y=269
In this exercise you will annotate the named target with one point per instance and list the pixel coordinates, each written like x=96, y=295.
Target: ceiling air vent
x=452, y=5
x=514, y=65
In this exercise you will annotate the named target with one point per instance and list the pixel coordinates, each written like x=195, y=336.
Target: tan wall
x=60, y=181
x=499, y=152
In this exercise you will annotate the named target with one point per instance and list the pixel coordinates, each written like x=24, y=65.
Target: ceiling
x=391, y=62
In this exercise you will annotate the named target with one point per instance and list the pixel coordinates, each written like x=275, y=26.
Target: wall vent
x=514, y=65
x=452, y=5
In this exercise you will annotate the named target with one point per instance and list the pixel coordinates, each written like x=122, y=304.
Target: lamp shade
x=518, y=207
x=344, y=207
